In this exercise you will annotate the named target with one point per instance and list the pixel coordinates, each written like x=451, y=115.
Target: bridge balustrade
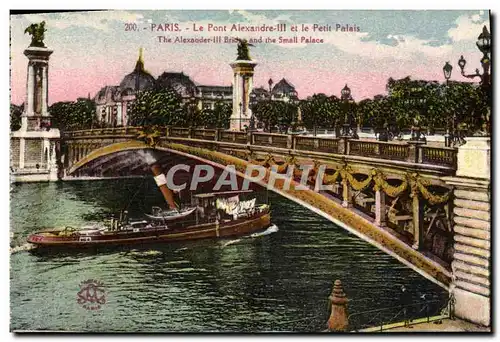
x=413, y=153
x=233, y=137
x=445, y=156
x=269, y=139
x=326, y=145
x=382, y=150
x=204, y=134
x=179, y=132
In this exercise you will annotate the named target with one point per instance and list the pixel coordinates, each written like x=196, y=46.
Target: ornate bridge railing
x=383, y=150
x=233, y=137
x=438, y=155
x=269, y=139
x=398, y=151
x=316, y=144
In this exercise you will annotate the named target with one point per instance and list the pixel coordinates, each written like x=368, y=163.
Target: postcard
x=250, y=171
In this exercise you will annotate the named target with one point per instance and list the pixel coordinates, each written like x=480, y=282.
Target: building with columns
x=113, y=102
x=33, y=146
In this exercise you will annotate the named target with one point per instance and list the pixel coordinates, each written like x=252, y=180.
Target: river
x=276, y=282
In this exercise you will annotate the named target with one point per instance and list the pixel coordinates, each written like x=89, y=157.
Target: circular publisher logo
x=91, y=295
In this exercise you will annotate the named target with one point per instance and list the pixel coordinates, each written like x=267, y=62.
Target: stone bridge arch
x=322, y=204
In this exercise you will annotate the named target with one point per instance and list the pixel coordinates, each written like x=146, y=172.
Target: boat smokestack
x=161, y=181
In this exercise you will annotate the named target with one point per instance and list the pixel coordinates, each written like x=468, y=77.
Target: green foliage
x=409, y=102
x=273, y=113
x=15, y=116
x=324, y=111
x=431, y=104
x=70, y=116
x=159, y=107
x=219, y=117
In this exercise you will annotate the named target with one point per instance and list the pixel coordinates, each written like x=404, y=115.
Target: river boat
x=213, y=215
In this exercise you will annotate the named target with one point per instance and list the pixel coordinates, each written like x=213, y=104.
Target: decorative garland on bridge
x=415, y=182
x=382, y=184
x=148, y=134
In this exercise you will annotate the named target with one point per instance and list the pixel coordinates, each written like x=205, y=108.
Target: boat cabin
x=225, y=205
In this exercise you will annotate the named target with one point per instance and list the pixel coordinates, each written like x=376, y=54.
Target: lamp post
x=346, y=97
x=192, y=109
x=415, y=99
x=449, y=137
x=218, y=108
x=241, y=106
x=484, y=45
x=253, y=101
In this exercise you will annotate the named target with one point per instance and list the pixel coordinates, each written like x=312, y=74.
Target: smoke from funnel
x=147, y=156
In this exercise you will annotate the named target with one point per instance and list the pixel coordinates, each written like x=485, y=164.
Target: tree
x=467, y=104
x=273, y=113
x=267, y=113
x=162, y=106
x=435, y=105
x=219, y=117
x=70, y=116
x=223, y=112
x=15, y=116
x=321, y=110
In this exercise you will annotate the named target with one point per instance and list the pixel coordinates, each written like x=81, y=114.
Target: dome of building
x=139, y=79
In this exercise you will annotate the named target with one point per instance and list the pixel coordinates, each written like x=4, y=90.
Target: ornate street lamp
x=192, y=110
x=241, y=106
x=218, y=108
x=449, y=136
x=484, y=45
x=447, y=71
x=345, y=96
x=414, y=99
x=253, y=101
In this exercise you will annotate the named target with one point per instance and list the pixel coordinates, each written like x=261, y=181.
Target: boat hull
x=239, y=227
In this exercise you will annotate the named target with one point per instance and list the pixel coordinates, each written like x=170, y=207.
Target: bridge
x=411, y=200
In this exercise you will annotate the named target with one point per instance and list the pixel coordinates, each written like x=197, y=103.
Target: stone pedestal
x=473, y=159
x=471, y=287
x=338, y=320
x=33, y=146
x=242, y=87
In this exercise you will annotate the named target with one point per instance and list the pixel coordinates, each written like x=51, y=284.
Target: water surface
x=278, y=282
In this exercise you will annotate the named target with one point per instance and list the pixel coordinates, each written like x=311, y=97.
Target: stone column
x=471, y=265
x=22, y=147
x=46, y=150
x=242, y=87
x=30, y=86
x=418, y=221
x=45, y=76
x=119, y=115
x=346, y=194
x=414, y=151
x=380, y=217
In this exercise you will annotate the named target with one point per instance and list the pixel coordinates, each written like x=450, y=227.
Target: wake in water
x=25, y=247
x=272, y=229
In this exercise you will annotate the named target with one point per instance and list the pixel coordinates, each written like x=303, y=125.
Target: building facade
x=113, y=103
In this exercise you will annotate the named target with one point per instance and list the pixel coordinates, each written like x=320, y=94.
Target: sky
x=95, y=49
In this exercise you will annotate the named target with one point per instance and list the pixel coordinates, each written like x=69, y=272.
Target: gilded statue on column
x=243, y=51
x=37, y=32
